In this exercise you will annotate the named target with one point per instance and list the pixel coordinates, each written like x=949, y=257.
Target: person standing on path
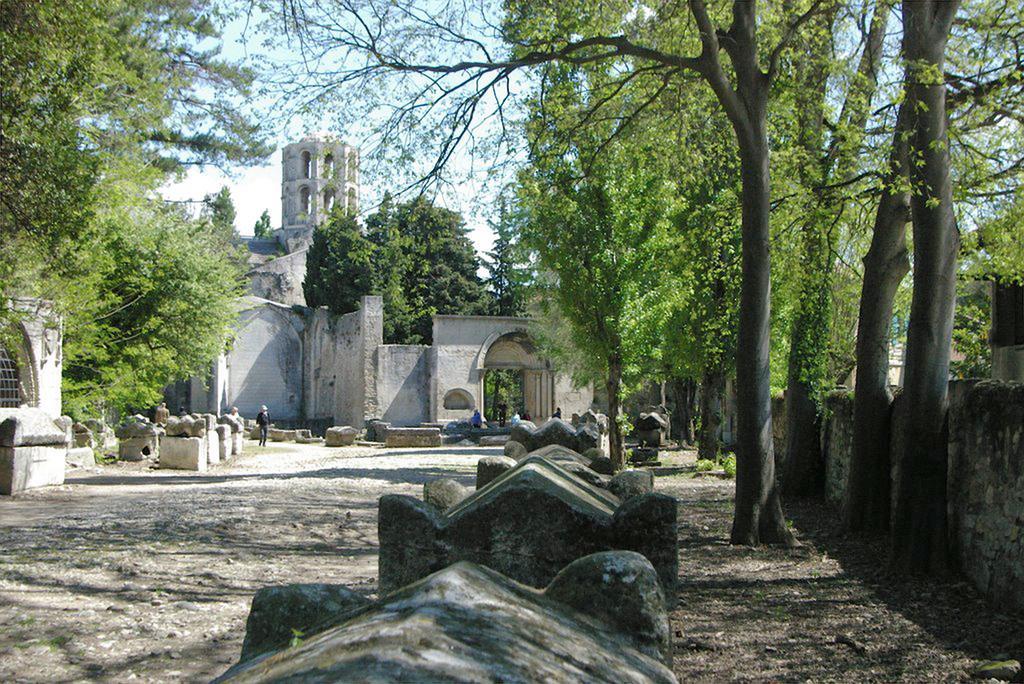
x=263, y=421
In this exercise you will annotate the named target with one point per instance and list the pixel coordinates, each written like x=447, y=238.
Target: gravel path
x=129, y=573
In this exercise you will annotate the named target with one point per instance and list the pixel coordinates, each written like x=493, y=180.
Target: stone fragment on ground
x=469, y=623
x=444, y=492
x=529, y=524
x=341, y=435
x=490, y=468
x=281, y=613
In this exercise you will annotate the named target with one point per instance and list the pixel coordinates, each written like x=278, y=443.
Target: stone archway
x=513, y=354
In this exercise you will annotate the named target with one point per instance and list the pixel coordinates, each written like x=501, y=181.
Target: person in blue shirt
x=477, y=420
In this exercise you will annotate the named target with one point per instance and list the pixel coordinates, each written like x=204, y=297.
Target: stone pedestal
x=184, y=453
x=223, y=435
x=237, y=439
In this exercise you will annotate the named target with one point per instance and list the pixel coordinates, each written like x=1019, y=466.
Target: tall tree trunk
x=866, y=502
x=919, y=527
x=682, y=392
x=712, y=391
x=758, y=515
x=613, y=385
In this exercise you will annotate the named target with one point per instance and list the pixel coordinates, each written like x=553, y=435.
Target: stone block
x=279, y=435
x=185, y=426
x=341, y=435
x=630, y=483
x=82, y=436
x=30, y=467
x=80, y=457
x=527, y=524
x=237, y=440
x=490, y=468
x=184, y=453
x=377, y=430
x=412, y=437
x=223, y=433
x=493, y=440
x=212, y=443
x=515, y=450
x=305, y=608
x=444, y=492
x=602, y=619
x=138, y=448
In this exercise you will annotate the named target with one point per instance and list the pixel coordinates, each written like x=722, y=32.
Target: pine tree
x=262, y=228
x=338, y=265
x=506, y=279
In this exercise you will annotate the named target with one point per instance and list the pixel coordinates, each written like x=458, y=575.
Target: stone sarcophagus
x=32, y=450
x=413, y=437
x=527, y=523
x=601, y=619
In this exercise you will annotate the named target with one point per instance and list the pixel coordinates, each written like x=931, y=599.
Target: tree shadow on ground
x=949, y=609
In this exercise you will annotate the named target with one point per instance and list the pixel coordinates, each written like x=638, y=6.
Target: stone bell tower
x=318, y=173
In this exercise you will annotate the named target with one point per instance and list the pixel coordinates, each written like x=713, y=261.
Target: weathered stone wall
x=280, y=279
x=985, y=478
x=837, y=442
x=985, y=488
x=265, y=364
x=403, y=383
x=357, y=336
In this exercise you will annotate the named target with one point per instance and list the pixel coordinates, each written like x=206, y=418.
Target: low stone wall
x=985, y=478
x=985, y=488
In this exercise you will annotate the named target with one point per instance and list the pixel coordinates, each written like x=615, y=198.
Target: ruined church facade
x=314, y=368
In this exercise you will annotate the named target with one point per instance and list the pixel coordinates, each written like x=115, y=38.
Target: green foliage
x=424, y=264
x=972, y=356
x=155, y=306
x=729, y=466
x=507, y=277
x=502, y=386
x=263, y=229
x=705, y=465
x=220, y=211
x=339, y=265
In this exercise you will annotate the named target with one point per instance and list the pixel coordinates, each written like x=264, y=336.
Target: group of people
x=478, y=420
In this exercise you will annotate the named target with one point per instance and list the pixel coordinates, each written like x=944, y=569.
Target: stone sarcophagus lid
x=527, y=523
x=138, y=439
x=601, y=619
x=32, y=450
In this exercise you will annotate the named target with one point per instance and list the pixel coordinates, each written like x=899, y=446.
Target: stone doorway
x=516, y=355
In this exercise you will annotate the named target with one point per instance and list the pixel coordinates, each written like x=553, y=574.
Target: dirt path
x=138, y=574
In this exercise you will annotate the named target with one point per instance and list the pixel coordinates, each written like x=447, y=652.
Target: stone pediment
x=527, y=523
x=467, y=623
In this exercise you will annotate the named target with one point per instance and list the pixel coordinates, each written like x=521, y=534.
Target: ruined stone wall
x=403, y=383
x=985, y=488
x=266, y=362
x=985, y=478
x=280, y=279
x=348, y=391
x=836, y=442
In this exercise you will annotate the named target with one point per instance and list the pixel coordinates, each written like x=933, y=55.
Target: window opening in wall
x=328, y=165
x=352, y=202
x=328, y=200
x=304, y=200
x=10, y=384
x=307, y=165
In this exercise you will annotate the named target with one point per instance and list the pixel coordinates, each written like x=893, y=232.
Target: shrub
x=704, y=465
x=729, y=466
